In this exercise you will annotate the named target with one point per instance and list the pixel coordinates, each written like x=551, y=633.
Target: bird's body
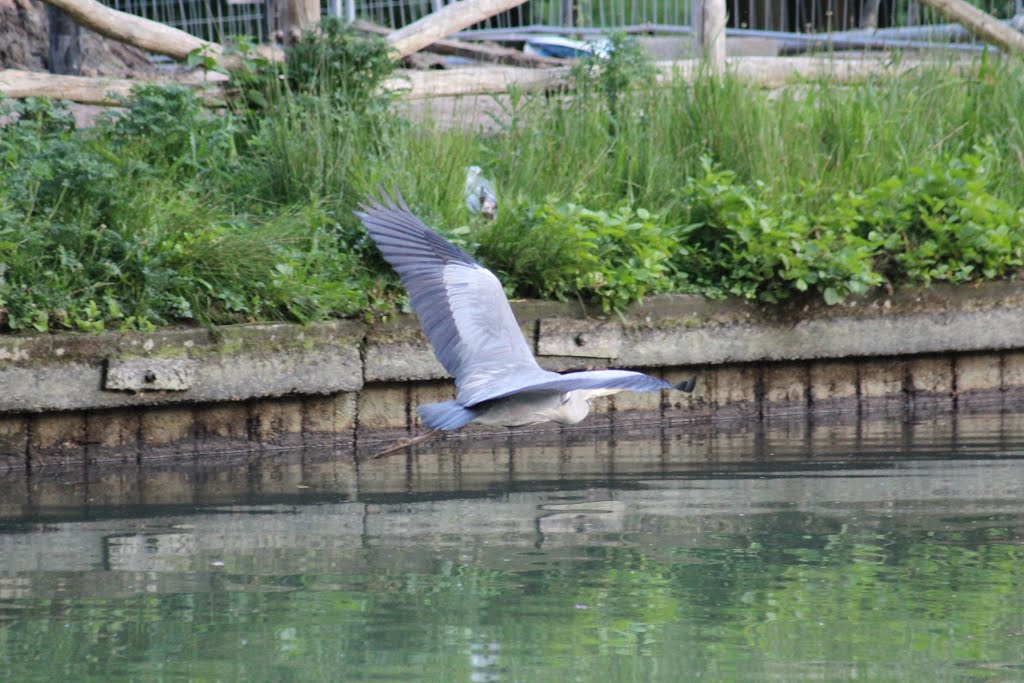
x=480, y=195
x=464, y=312
x=524, y=409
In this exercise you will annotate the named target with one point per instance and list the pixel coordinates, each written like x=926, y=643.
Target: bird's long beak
x=687, y=385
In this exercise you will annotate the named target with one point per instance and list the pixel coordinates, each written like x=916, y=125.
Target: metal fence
x=545, y=15
x=221, y=19
x=209, y=19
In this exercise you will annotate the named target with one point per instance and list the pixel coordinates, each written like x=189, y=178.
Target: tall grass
x=171, y=214
x=806, y=142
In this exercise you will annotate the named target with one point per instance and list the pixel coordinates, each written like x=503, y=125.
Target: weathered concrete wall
x=72, y=398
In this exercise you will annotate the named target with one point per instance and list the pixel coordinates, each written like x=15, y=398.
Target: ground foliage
x=166, y=213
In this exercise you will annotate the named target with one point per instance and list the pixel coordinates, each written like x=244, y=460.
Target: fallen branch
x=128, y=28
x=475, y=81
x=154, y=36
x=89, y=90
x=424, y=60
x=443, y=23
x=493, y=53
x=769, y=72
x=149, y=35
x=478, y=51
x=981, y=24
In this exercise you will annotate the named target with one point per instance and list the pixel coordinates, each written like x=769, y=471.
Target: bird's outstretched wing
x=595, y=380
x=460, y=305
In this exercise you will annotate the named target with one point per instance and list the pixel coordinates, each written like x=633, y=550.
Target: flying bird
x=463, y=310
x=480, y=195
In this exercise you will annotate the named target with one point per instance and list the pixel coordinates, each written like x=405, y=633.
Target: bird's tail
x=447, y=415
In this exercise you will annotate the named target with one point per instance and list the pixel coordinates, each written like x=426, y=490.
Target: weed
x=563, y=250
x=168, y=213
x=342, y=63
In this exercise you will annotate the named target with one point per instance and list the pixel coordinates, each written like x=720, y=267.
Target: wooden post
x=300, y=16
x=869, y=14
x=289, y=19
x=443, y=23
x=708, y=19
x=65, y=51
x=983, y=25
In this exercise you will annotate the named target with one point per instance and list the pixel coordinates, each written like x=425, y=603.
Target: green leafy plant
x=340, y=62
x=561, y=251
x=168, y=126
x=736, y=243
x=170, y=212
x=619, y=69
x=943, y=222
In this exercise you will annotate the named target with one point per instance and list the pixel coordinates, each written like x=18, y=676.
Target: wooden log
x=478, y=51
x=424, y=60
x=981, y=24
x=88, y=90
x=768, y=72
x=493, y=53
x=128, y=28
x=443, y=23
x=475, y=81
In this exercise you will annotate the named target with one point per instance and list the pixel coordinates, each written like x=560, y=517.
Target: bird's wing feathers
x=601, y=382
x=460, y=304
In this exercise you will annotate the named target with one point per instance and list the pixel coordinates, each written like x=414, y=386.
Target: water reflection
x=851, y=552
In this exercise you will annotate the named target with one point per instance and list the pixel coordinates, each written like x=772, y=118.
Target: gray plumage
x=467, y=318
x=480, y=194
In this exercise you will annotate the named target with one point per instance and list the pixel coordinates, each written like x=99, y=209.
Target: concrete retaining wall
x=66, y=399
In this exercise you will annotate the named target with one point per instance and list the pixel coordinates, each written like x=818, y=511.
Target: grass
x=169, y=214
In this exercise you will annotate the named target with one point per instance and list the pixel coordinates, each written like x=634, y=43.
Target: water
x=869, y=552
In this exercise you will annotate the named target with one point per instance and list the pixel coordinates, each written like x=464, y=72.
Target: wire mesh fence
x=220, y=19
x=544, y=14
x=214, y=20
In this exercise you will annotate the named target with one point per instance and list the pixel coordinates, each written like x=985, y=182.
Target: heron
x=480, y=195
x=465, y=314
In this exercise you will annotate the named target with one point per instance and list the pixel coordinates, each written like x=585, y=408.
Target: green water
x=883, y=565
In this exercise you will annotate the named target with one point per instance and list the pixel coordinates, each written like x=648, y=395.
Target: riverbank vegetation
x=165, y=213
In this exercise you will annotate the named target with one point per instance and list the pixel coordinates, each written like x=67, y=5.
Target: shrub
x=942, y=222
x=562, y=250
x=47, y=168
x=168, y=127
x=171, y=213
x=341, y=62
x=733, y=242
x=624, y=68
x=125, y=226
